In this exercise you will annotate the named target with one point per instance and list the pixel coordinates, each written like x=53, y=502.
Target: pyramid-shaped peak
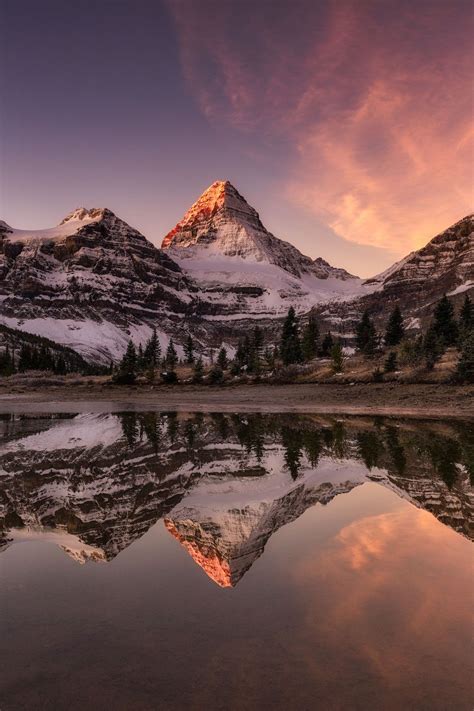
x=219, y=203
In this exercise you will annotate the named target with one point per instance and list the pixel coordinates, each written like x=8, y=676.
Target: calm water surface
x=164, y=561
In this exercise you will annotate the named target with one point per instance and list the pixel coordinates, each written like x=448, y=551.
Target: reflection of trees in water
x=376, y=444
x=396, y=450
x=251, y=431
x=444, y=454
x=128, y=420
x=369, y=446
x=312, y=443
x=292, y=441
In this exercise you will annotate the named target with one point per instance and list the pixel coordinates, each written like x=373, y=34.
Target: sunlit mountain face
x=223, y=485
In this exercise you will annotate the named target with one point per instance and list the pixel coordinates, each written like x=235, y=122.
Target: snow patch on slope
x=98, y=341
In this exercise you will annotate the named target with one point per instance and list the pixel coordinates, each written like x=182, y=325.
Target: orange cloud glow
x=369, y=591
x=373, y=99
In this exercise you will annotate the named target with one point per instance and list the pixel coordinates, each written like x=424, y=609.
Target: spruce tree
x=248, y=350
x=198, y=371
x=140, y=358
x=257, y=340
x=189, y=350
x=240, y=354
x=444, y=323
x=395, y=330
x=254, y=346
x=433, y=347
x=290, y=347
x=222, y=361
x=152, y=352
x=60, y=366
x=466, y=316
x=24, y=360
x=127, y=370
x=465, y=367
x=337, y=357
x=171, y=356
x=269, y=356
x=310, y=339
x=366, y=337
x=326, y=345
x=6, y=362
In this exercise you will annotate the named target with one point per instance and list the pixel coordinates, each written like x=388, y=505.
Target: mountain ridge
x=93, y=282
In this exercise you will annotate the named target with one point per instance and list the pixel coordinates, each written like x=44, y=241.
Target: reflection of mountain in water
x=223, y=484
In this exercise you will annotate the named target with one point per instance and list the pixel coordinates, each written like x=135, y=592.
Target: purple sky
x=347, y=125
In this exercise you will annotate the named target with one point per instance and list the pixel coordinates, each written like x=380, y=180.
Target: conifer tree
x=198, y=371
x=60, y=366
x=152, y=352
x=269, y=356
x=255, y=346
x=444, y=323
x=140, y=358
x=240, y=354
x=310, y=339
x=239, y=359
x=366, y=337
x=465, y=366
x=257, y=341
x=171, y=356
x=127, y=370
x=395, y=330
x=327, y=345
x=466, y=316
x=337, y=357
x=222, y=361
x=6, y=362
x=433, y=347
x=24, y=360
x=290, y=347
x=247, y=349
x=189, y=350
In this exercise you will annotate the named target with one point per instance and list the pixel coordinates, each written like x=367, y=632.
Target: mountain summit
x=222, y=223
x=220, y=200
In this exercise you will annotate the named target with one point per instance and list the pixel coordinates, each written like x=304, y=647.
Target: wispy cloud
x=374, y=98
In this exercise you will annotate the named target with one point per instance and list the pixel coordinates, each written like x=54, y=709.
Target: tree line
x=23, y=352
x=301, y=344
x=443, y=331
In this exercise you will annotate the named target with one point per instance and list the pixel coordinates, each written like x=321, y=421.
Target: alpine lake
x=163, y=560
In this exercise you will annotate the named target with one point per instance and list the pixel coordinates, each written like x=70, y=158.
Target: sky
x=347, y=124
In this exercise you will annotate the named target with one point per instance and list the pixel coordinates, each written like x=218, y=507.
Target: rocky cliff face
x=416, y=283
x=93, y=484
x=242, y=268
x=444, y=266
x=90, y=283
x=93, y=282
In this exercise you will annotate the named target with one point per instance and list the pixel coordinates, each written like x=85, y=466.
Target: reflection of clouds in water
x=392, y=583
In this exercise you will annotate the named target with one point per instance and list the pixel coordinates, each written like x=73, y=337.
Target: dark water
x=163, y=561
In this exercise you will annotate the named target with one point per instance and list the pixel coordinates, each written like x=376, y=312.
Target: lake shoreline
x=423, y=401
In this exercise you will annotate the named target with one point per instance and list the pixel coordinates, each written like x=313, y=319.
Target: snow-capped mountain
x=242, y=268
x=416, y=283
x=90, y=283
x=445, y=264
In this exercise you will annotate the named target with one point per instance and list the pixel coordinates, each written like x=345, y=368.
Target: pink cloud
x=374, y=98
